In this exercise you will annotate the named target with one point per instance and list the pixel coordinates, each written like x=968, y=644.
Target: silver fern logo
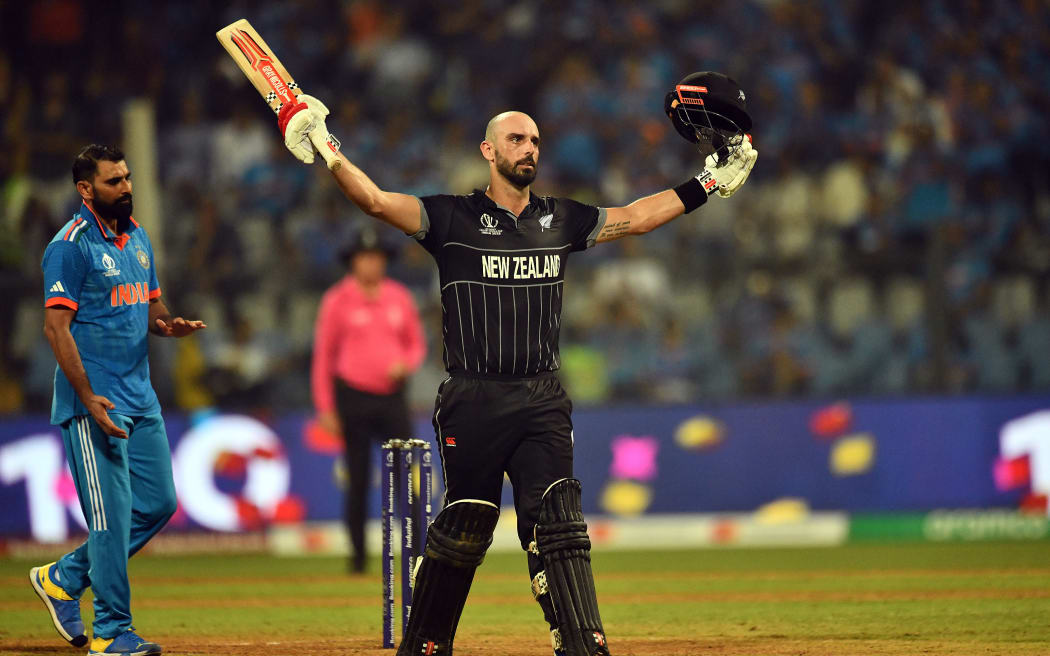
x=545, y=222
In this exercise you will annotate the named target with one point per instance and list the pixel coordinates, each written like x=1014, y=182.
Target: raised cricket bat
x=271, y=78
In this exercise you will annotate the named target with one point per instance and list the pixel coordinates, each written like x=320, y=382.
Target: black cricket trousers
x=486, y=426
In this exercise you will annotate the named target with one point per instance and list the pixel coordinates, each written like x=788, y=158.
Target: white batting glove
x=728, y=176
x=297, y=121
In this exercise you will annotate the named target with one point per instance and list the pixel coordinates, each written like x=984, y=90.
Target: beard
x=518, y=178
x=119, y=210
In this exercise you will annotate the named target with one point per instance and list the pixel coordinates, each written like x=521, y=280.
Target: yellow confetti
x=782, y=511
x=699, y=433
x=853, y=454
x=626, y=498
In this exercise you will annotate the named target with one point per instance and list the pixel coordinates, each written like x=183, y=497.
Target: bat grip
x=328, y=146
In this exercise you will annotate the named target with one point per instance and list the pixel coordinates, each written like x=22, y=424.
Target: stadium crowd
x=893, y=239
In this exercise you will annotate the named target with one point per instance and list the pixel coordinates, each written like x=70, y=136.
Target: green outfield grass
x=981, y=598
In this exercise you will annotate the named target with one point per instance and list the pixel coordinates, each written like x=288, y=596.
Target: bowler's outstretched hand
x=178, y=327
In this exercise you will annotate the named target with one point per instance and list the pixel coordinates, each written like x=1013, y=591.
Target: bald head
x=501, y=124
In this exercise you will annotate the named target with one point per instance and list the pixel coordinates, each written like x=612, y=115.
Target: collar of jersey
x=482, y=197
x=107, y=234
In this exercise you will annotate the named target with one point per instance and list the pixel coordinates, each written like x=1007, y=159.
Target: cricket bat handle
x=328, y=146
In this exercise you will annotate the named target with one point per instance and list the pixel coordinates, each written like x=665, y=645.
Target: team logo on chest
x=109, y=265
x=143, y=258
x=488, y=225
x=545, y=222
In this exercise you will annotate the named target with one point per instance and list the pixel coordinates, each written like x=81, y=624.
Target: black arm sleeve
x=435, y=215
x=583, y=222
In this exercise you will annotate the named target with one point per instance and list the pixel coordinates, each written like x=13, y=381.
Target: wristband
x=287, y=112
x=692, y=193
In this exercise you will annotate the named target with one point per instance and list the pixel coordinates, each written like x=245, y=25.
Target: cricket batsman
x=102, y=299
x=501, y=254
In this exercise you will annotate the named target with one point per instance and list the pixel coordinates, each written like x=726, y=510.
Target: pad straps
x=562, y=544
x=456, y=545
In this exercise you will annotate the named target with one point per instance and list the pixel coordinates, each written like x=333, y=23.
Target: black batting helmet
x=708, y=107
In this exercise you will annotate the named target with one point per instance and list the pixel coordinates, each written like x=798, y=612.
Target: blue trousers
x=127, y=494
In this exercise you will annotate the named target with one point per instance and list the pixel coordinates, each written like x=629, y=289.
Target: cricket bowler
x=102, y=299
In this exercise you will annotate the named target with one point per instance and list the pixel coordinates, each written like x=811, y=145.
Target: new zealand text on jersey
x=520, y=267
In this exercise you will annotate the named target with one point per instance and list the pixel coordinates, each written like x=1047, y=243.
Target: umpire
x=501, y=255
x=367, y=341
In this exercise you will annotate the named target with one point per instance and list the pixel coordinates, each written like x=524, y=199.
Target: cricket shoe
x=64, y=609
x=125, y=644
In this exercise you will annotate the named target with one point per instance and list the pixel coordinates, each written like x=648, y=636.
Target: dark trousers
x=520, y=426
x=366, y=418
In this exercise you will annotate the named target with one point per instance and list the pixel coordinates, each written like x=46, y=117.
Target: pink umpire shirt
x=359, y=339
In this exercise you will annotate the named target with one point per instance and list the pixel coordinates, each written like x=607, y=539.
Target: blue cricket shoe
x=64, y=609
x=125, y=644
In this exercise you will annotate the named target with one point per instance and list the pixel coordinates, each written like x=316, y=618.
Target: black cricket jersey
x=501, y=277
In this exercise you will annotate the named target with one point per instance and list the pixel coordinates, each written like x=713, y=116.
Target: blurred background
x=884, y=271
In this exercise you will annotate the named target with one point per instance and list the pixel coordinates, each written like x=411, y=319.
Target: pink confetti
x=65, y=490
x=634, y=457
x=1011, y=474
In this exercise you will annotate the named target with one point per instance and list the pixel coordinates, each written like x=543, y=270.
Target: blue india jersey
x=109, y=280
